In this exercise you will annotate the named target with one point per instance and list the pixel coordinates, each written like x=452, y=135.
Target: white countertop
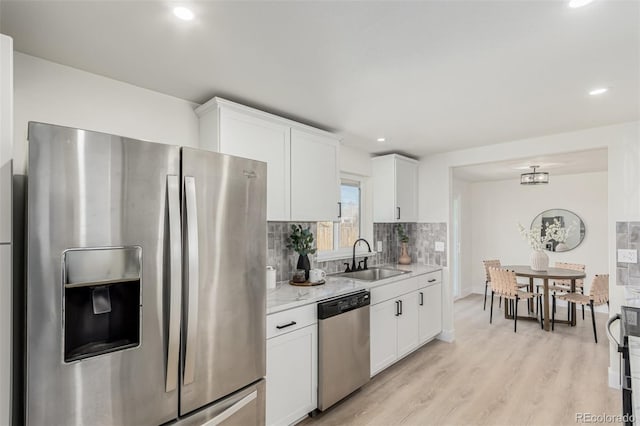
x=286, y=296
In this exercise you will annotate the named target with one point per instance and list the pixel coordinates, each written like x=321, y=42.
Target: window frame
x=366, y=224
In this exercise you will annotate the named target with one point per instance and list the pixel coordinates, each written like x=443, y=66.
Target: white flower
x=532, y=236
x=552, y=232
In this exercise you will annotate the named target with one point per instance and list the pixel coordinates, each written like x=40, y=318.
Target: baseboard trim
x=447, y=336
x=614, y=379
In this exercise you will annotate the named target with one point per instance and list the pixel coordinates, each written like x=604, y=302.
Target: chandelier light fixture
x=534, y=178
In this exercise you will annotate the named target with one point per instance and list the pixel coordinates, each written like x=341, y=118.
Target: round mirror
x=560, y=230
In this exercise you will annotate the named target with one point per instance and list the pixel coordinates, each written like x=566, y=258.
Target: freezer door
x=99, y=255
x=244, y=408
x=224, y=307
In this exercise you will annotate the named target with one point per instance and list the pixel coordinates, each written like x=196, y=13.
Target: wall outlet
x=379, y=247
x=627, y=256
x=439, y=246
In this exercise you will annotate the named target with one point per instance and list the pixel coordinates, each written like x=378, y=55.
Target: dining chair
x=504, y=283
x=598, y=295
x=492, y=263
x=564, y=286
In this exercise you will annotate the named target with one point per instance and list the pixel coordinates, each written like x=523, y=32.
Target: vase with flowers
x=404, y=258
x=538, y=260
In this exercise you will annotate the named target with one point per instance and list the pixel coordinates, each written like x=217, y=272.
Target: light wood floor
x=490, y=376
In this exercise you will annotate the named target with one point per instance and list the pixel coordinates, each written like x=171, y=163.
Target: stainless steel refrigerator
x=145, y=282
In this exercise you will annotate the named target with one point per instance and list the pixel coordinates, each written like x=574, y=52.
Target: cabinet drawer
x=292, y=319
x=430, y=279
x=395, y=289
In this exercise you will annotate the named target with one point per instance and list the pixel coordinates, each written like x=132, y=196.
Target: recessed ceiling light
x=381, y=139
x=574, y=4
x=183, y=13
x=599, y=91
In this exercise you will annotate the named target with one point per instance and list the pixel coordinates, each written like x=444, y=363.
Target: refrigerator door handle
x=232, y=410
x=193, y=279
x=175, y=284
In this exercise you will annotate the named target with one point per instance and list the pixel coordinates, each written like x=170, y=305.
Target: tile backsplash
x=627, y=237
x=421, y=247
x=426, y=236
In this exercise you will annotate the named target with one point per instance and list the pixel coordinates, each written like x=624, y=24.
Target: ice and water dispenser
x=102, y=300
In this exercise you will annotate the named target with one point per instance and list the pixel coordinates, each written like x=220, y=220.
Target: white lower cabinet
x=394, y=330
x=430, y=312
x=383, y=335
x=292, y=375
x=410, y=316
x=408, y=335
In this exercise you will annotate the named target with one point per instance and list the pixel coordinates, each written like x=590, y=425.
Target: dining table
x=545, y=276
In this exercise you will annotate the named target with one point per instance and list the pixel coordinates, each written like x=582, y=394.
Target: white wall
x=623, y=143
x=354, y=161
x=462, y=190
x=498, y=207
x=624, y=206
x=57, y=94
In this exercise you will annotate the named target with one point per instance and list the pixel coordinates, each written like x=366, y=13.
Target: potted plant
x=301, y=241
x=404, y=258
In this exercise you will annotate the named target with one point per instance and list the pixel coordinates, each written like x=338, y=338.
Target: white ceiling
x=429, y=76
x=594, y=160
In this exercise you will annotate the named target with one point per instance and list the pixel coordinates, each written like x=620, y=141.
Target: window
x=333, y=236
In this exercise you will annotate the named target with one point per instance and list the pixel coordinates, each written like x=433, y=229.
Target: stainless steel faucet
x=353, y=262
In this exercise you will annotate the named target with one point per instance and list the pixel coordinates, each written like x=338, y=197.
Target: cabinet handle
x=280, y=327
x=398, y=213
x=400, y=307
x=421, y=299
x=432, y=280
x=339, y=209
x=397, y=308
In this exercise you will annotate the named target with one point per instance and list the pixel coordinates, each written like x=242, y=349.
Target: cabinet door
x=384, y=187
x=314, y=177
x=408, y=336
x=406, y=191
x=292, y=375
x=383, y=331
x=430, y=312
x=244, y=135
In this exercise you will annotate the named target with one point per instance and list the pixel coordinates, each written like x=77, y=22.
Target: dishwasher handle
x=343, y=304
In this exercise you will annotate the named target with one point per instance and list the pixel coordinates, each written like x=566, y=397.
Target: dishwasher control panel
x=343, y=304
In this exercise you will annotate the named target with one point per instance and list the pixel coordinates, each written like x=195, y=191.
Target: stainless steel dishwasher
x=343, y=347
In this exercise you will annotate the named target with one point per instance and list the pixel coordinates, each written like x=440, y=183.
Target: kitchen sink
x=372, y=274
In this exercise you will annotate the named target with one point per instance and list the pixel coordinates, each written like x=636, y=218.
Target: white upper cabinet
x=314, y=177
x=302, y=162
x=244, y=135
x=395, y=189
x=6, y=136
